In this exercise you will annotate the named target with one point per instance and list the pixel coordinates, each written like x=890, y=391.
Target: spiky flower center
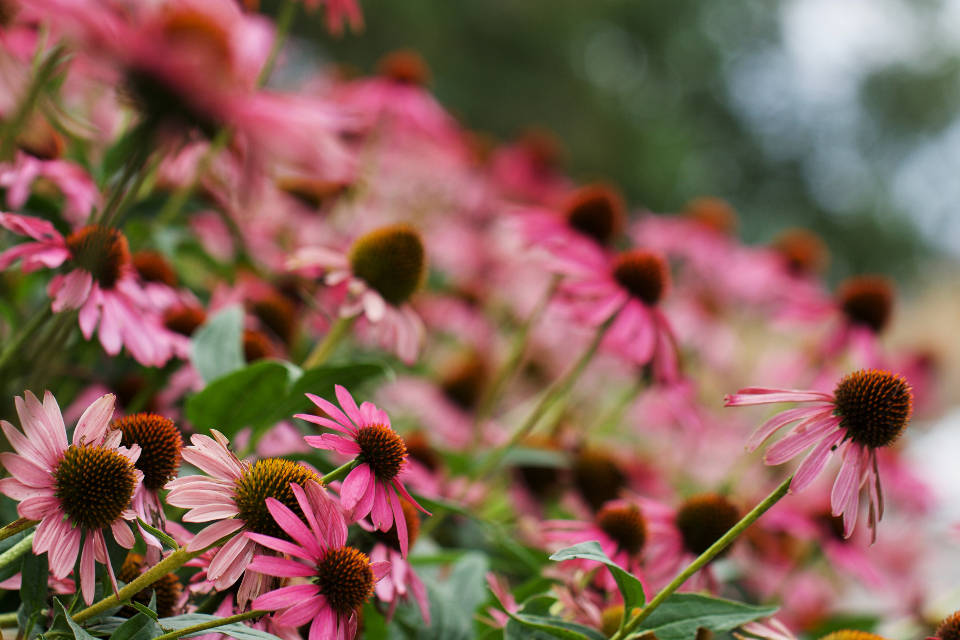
x=184, y=319
x=152, y=266
x=412, y=520
x=405, y=67
x=345, y=579
x=101, y=251
x=391, y=260
x=703, y=519
x=382, y=449
x=851, y=634
x=867, y=301
x=874, y=406
x=595, y=211
x=278, y=314
x=160, y=445
x=269, y=478
x=256, y=345
x=94, y=485
x=168, y=588
x=643, y=274
x=625, y=525
x=803, y=252
x=597, y=477
x=949, y=629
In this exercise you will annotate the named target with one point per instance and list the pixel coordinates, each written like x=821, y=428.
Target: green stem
x=13, y=347
x=557, y=390
x=212, y=624
x=135, y=173
x=15, y=527
x=8, y=620
x=515, y=356
x=284, y=20
x=168, y=565
x=704, y=558
x=339, y=472
x=325, y=348
x=13, y=554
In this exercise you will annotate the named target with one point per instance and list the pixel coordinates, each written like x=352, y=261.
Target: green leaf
x=145, y=610
x=216, y=348
x=234, y=630
x=630, y=588
x=244, y=398
x=680, y=615
x=534, y=622
x=453, y=602
x=78, y=632
x=33, y=583
x=139, y=627
x=159, y=535
x=271, y=391
x=9, y=570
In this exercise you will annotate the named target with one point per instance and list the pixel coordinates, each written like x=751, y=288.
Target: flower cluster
x=351, y=366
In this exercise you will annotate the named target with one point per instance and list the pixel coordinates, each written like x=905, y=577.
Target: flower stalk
x=212, y=624
x=326, y=347
x=15, y=527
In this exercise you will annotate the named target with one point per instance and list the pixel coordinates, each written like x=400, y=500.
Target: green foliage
x=236, y=630
x=265, y=392
x=453, y=602
x=216, y=348
x=533, y=622
x=33, y=592
x=680, y=615
x=630, y=588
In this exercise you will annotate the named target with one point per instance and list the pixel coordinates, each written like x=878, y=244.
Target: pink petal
x=760, y=395
x=63, y=555
x=228, y=563
x=87, y=569
x=406, y=495
x=122, y=534
x=400, y=522
x=349, y=404
x=380, y=514
x=93, y=423
x=283, y=546
x=213, y=533
x=38, y=507
x=815, y=461
x=26, y=471
x=332, y=410
x=801, y=438
x=355, y=486
x=285, y=597
x=774, y=424
x=71, y=291
x=292, y=525
x=274, y=566
x=302, y=613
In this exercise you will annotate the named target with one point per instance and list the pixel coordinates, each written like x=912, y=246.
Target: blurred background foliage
x=800, y=113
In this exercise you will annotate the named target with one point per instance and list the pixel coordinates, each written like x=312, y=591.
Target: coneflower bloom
x=100, y=284
x=619, y=526
x=75, y=490
x=375, y=280
x=160, y=443
x=593, y=213
x=341, y=577
x=631, y=285
x=867, y=410
x=232, y=497
x=373, y=486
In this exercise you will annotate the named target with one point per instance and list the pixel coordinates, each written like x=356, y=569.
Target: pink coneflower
x=100, y=284
x=593, y=213
x=75, y=490
x=619, y=526
x=867, y=410
x=375, y=281
x=630, y=285
x=342, y=578
x=373, y=486
x=79, y=191
x=232, y=497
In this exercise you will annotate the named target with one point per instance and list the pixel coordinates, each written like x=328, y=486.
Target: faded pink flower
x=868, y=409
x=75, y=490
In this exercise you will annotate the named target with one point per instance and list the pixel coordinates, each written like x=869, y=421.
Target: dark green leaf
x=216, y=347
x=453, y=602
x=14, y=566
x=61, y=615
x=534, y=622
x=139, y=627
x=33, y=583
x=679, y=617
x=630, y=588
x=234, y=630
x=145, y=610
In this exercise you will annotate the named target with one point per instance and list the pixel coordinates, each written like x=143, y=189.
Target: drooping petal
x=94, y=421
x=355, y=486
x=274, y=566
x=285, y=596
x=213, y=533
x=815, y=461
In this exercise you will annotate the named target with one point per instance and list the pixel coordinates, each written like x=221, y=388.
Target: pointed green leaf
x=630, y=587
x=680, y=615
